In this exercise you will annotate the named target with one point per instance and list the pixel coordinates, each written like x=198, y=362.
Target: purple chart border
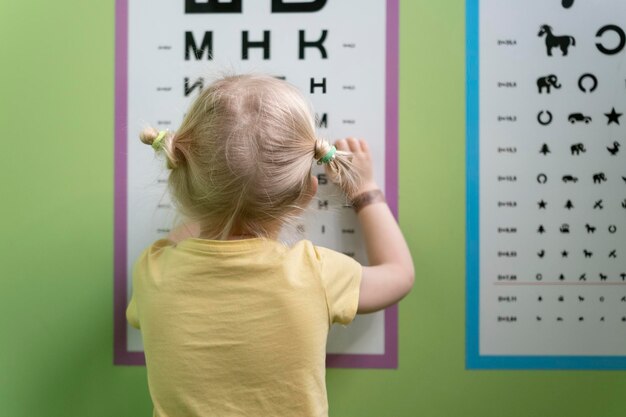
x=122, y=356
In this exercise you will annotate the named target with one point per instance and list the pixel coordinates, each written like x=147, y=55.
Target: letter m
x=321, y=121
x=198, y=53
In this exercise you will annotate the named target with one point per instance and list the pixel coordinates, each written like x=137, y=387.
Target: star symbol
x=613, y=116
x=542, y=204
x=564, y=254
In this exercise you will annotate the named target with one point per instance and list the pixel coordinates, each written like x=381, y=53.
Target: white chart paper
x=546, y=184
x=336, y=52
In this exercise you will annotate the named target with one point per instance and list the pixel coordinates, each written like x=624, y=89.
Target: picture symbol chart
x=546, y=201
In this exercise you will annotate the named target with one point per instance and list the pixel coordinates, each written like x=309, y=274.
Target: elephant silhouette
x=599, y=178
x=552, y=41
x=577, y=148
x=547, y=82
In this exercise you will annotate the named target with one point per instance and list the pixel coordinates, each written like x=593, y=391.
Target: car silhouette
x=578, y=117
x=570, y=178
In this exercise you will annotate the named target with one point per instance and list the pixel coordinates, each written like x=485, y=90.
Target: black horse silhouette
x=552, y=41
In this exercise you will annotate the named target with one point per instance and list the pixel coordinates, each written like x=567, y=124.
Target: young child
x=234, y=323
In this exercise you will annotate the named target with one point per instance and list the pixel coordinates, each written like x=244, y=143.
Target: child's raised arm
x=390, y=275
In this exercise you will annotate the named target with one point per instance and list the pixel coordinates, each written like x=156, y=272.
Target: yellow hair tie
x=157, y=145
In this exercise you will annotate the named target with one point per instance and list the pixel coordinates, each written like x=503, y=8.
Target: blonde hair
x=242, y=158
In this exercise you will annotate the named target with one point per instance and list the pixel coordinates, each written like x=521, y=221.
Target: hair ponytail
x=166, y=143
x=340, y=167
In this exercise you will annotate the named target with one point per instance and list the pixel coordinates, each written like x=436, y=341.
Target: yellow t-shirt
x=239, y=327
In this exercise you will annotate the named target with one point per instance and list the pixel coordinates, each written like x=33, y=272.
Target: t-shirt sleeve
x=139, y=270
x=341, y=279
x=131, y=313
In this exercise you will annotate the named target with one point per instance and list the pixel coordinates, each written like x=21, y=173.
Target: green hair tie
x=328, y=157
x=157, y=145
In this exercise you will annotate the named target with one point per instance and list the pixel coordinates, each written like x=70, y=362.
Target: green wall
x=56, y=288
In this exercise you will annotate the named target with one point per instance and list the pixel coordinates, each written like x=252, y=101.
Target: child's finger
x=364, y=146
x=353, y=143
x=341, y=145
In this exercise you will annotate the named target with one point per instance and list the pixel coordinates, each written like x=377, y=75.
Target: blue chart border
x=472, y=163
x=473, y=359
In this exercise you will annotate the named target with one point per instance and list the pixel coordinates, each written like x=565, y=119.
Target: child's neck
x=242, y=235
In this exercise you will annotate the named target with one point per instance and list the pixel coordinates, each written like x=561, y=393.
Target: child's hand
x=361, y=161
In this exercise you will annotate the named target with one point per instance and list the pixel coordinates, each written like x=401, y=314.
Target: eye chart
x=546, y=184
x=341, y=54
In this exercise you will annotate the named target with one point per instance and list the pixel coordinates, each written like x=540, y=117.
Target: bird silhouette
x=614, y=149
